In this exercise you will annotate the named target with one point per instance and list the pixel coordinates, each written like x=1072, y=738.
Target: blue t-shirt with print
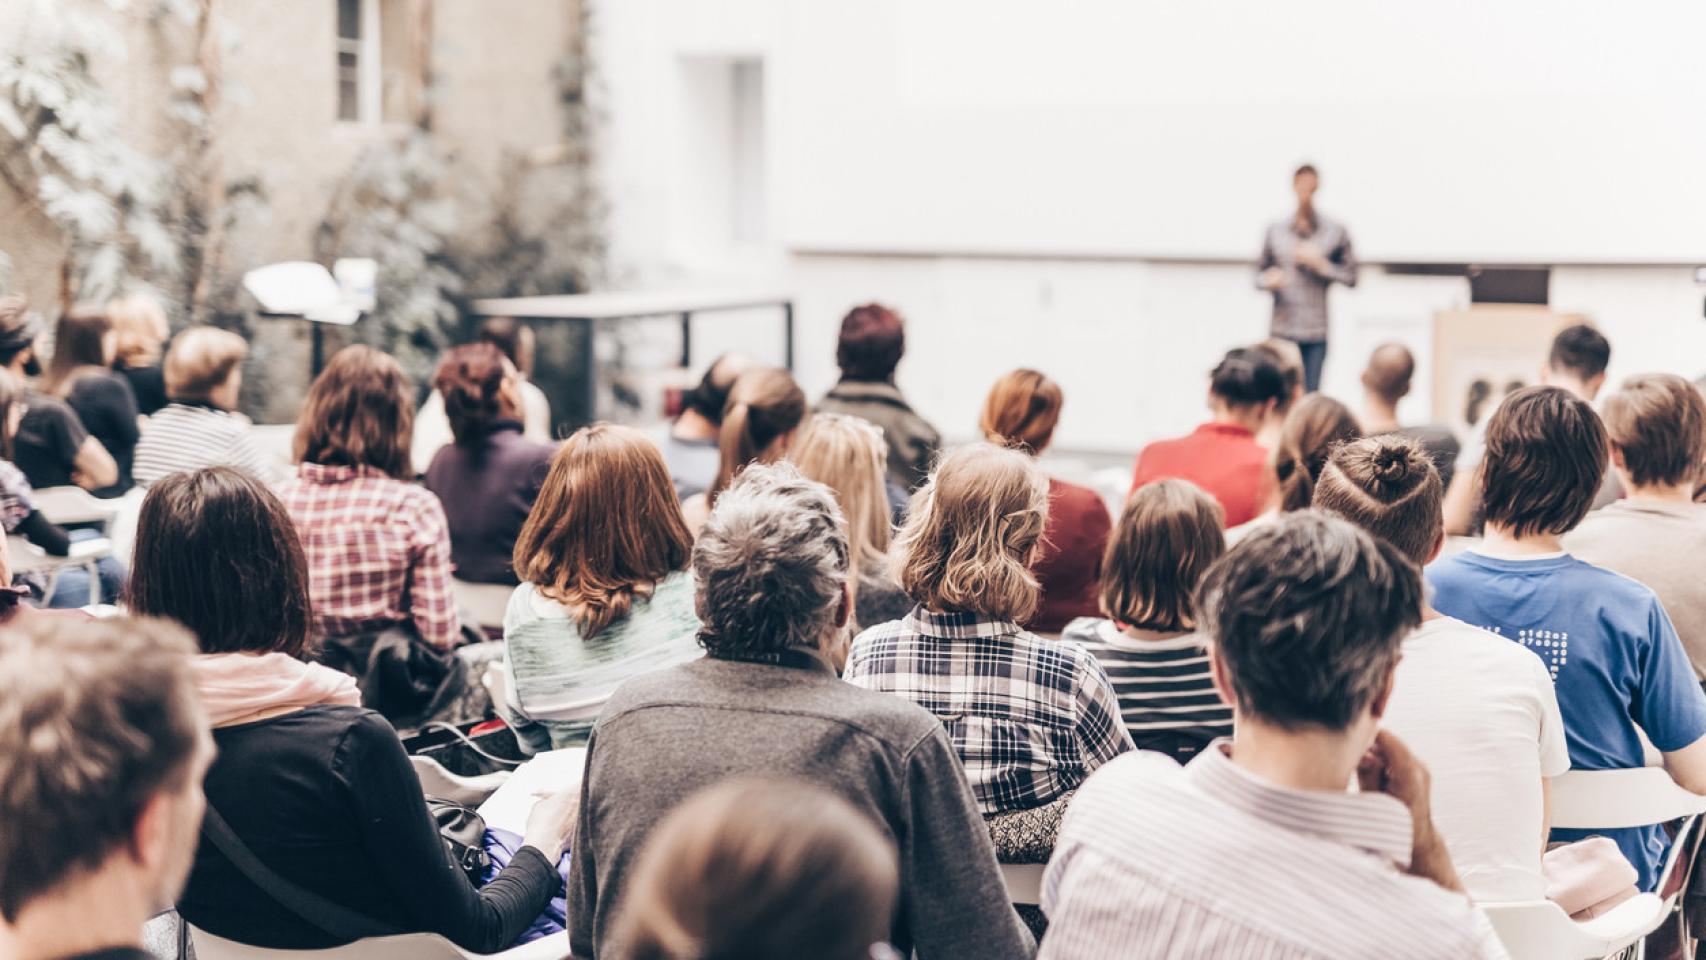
x=1615, y=660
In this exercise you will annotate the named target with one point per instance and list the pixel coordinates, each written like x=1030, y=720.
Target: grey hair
x=770, y=563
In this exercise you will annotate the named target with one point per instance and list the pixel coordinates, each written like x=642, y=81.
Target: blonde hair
x=849, y=456
x=764, y=405
x=140, y=325
x=1021, y=411
x=969, y=535
x=201, y=359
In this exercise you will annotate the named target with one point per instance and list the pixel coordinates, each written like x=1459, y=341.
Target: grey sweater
x=665, y=735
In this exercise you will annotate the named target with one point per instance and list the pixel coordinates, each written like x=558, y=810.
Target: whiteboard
x=1520, y=131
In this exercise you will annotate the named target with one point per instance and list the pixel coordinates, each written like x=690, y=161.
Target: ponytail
x=764, y=405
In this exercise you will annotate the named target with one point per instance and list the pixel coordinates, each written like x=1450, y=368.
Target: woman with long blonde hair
x=849, y=456
x=605, y=593
x=141, y=331
x=764, y=410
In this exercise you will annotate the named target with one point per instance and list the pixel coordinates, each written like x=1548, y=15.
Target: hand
x=551, y=823
x=1309, y=255
x=1273, y=278
x=1390, y=768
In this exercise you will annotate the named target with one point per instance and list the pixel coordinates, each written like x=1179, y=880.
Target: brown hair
x=1316, y=425
x=606, y=528
x=760, y=870
x=469, y=380
x=200, y=361
x=357, y=414
x=512, y=337
x=1546, y=452
x=217, y=551
x=1288, y=358
x=1167, y=535
x=79, y=347
x=98, y=719
x=764, y=405
x=1658, y=422
x=1388, y=486
x=11, y=395
x=1021, y=411
x=140, y=323
x=871, y=343
x=970, y=533
x=848, y=455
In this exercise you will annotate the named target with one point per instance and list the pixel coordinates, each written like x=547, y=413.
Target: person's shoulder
x=1107, y=794
x=1074, y=495
x=1462, y=643
x=1085, y=631
x=1616, y=589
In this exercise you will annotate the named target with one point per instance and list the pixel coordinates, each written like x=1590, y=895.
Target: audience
x=606, y=594
x=1021, y=412
x=1222, y=456
x=80, y=374
x=872, y=341
x=1030, y=718
x=1256, y=848
x=764, y=410
x=489, y=477
x=1618, y=666
x=1386, y=381
x=433, y=427
x=51, y=446
x=1167, y=535
x=690, y=443
x=847, y=455
x=307, y=782
x=1477, y=709
x=200, y=426
x=102, y=751
x=141, y=332
x=1657, y=427
x=1288, y=357
x=771, y=569
x=1316, y=425
x=761, y=870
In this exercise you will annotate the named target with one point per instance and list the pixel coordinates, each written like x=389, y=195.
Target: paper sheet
x=547, y=772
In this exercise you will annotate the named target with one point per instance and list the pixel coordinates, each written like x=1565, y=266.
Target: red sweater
x=1223, y=459
x=1070, y=565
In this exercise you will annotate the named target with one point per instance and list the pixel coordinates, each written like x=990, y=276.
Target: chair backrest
x=1610, y=799
x=1024, y=882
x=408, y=946
x=436, y=781
x=486, y=602
x=1540, y=930
x=69, y=505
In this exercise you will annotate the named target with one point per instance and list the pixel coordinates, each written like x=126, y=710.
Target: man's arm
x=1390, y=768
x=1341, y=265
x=1269, y=276
x=93, y=467
x=1671, y=709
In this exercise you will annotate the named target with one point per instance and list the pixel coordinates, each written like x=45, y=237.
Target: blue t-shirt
x=1614, y=657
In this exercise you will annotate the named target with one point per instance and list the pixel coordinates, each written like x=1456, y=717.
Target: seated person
x=1316, y=425
x=1385, y=381
x=432, y=429
x=1222, y=456
x=765, y=410
x=1477, y=709
x=763, y=870
x=140, y=324
x=689, y=443
x=1167, y=535
x=868, y=350
x=1030, y=718
x=200, y=426
x=51, y=446
x=316, y=788
x=770, y=572
x=1258, y=847
x=488, y=479
x=605, y=591
x=1288, y=357
x=847, y=455
x=1618, y=666
x=81, y=374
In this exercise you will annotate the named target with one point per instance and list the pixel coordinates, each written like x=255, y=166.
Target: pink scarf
x=239, y=687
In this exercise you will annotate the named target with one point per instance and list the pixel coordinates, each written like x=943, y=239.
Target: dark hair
x=1388, y=486
x=469, y=380
x=1546, y=452
x=764, y=405
x=358, y=414
x=11, y=395
x=1306, y=615
x=1021, y=411
x=1167, y=535
x=711, y=394
x=1247, y=377
x=512, y=337
x=1658, y=422
x=1308, y=168
x=99, y=718
x=79, y=346
x=1289, y=359
x=1581, y=350
x=217, y=551
x=1390, y=369
x=873, y=338
x=1316, y=425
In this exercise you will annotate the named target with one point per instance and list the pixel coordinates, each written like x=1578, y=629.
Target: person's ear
x=1616, y=456
x=151, y=837
x=1222, y=679
x=1439, y=545
x=1377, y=707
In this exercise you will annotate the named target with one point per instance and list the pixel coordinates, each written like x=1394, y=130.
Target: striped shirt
x=1208, y=860
x=1029, y=717
x=560, y=679
x=185, y=436
x=1166, y=692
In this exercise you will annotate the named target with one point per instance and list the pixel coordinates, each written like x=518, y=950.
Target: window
x=379, y=60
x=357, y=53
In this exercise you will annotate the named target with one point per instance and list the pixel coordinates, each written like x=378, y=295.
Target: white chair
x=74, y=505
x=25, y=557
x=1024, y=882
x=484, y=602
x=408, y=946
x=438, y=782
x=1604, y=800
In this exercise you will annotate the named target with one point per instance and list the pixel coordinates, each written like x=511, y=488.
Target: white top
x=1480, y=712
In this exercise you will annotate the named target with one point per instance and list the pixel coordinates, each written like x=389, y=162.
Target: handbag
x=464, y=834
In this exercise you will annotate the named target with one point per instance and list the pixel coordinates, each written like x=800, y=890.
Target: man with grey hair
x=771, y=566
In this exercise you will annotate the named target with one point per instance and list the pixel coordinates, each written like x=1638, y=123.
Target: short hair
x=1388, y=486
x=1390, y=369
x=765, y=870
x=1658, y=422
x=1306, y=616
x=1247, y=377
x=764, y=405
x=469, y=380
x=1581, y=350
x=711, y=394
x=200, y=360
x=1545, y=460
x=1288, y=357
x=1021, y=411
x=770, y=563
x=511, y=336
x=216, y=550
x=606, y=526
x=1304, y=168
x=99, y=717
x=1167, y=535
x=1313, y=428
x=872, y=340
x=358, y=414
x=140, y=323
x=79, y=346
x=971, y=531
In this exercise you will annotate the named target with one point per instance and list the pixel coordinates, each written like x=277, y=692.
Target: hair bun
x=1393, y=462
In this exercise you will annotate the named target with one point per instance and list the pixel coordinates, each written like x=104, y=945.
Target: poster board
x=1484, y=352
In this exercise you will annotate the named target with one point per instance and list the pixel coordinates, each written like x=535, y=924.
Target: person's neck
x=1429, y=613
x=1576, y=385
x=1303, y=759
x=101, y=911
x=1501, y=542
x=1231, y=417
x=1139, y=633
x=1658, y=492
x=693, y=425
x=1378, y=416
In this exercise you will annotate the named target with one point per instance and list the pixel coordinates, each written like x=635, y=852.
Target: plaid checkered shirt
x=378, y=552
x=1030, y=718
